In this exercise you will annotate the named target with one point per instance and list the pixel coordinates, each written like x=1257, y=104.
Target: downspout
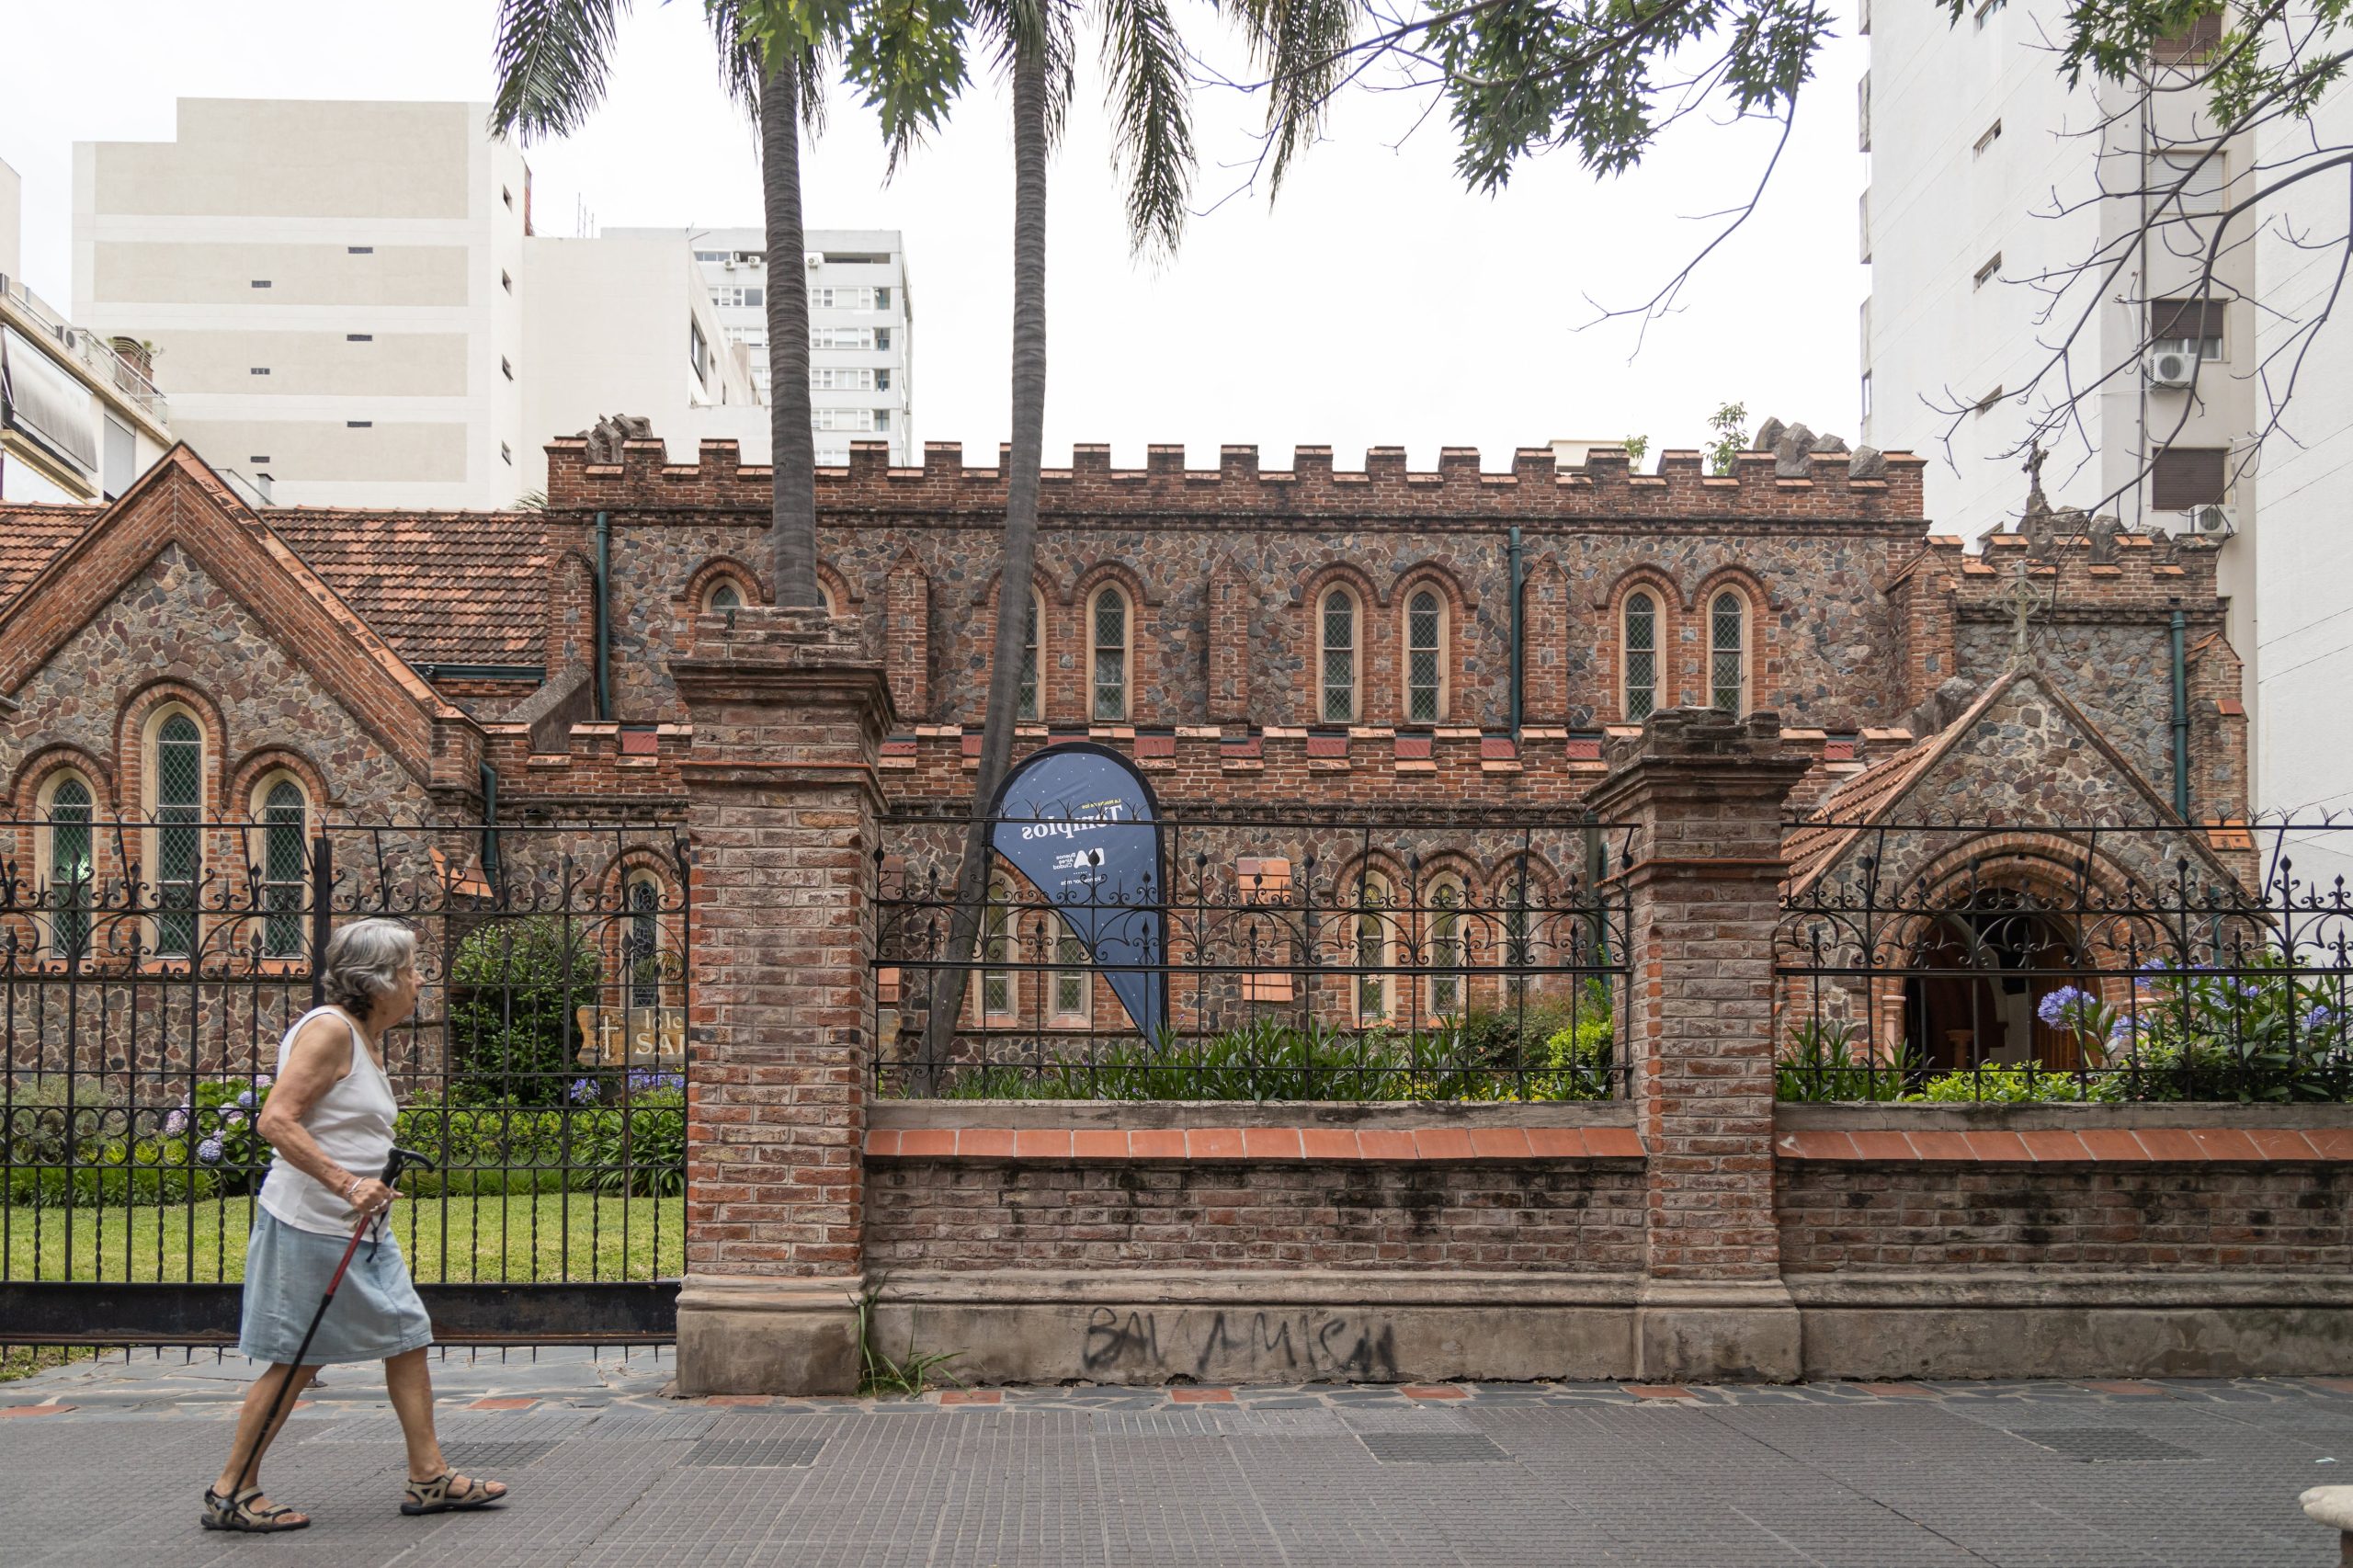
x=1517, y=639
x=2180, y=714
x=604, y=616
x=489, y=777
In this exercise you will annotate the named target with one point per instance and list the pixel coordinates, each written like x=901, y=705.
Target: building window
x=1866, y=394
x=506, y=452
x=1074, y=980
x=2184, y=477
x=505, y=367
x=1375, y=954
x=1425, y=657
x=2193, y=43
x=261, y=282
x=857, y=337
x=2187, y=184
x=1029, y=703
x=1984, y=13
x=1109, y=653
x=642, y=942
x=1993, y=133
x=882, y=337
x=360, y=425
x=842, y=419
x=67, y=858
x=745, y=296
x=507, y=197
x=1339, y=704
x=360, y=250
x=284, y=814
x=881, y=299
x=1000, y=948
x=1987, y=273
x=507, y=282
x=843, y=378
x=711, y=256
x=725, y=596
x=177, y=806
x=882, y=419
x=1443, y=950
x=359, y=338
x=1728, y=652
x=2187, y=326
x=259, y=371
x=1640, y=698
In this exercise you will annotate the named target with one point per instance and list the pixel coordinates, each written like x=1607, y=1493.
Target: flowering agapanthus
x=2060, y=1008
x=642, y=1079
x=2320, y=1020
x=584, y=1090
x=209, y=1151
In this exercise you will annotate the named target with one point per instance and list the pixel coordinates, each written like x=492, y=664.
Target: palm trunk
x=1020, y=544
x=792, y=446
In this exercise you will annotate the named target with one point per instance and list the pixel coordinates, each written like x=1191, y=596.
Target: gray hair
x=364, y=962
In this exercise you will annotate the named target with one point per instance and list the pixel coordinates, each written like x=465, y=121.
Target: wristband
x=356, y=1183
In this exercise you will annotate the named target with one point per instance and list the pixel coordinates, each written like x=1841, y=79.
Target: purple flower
x=584, y=1090
x=209, y=1151
x=176, y=1123
x=232, y=1118
x=2059, y=1008
x=642, y=1079
x=247, y=1099
x=263, y=1082
x=2319, y=1020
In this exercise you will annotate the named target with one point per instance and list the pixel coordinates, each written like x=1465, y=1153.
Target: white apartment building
x=1988, y=173
x=330, y=288
x=80, y=419
x=860, y=322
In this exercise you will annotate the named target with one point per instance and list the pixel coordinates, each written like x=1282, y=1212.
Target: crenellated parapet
x=1534, y=489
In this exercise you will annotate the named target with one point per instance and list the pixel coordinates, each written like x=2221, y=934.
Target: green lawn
x=580, y=1236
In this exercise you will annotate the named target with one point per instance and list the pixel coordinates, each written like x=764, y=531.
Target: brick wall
x=973, y=1215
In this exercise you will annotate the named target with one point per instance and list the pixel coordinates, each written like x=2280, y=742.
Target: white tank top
x=352, y=1122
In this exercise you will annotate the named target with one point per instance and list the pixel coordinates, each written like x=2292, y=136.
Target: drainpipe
x=489, y=777
x=1516, y=648
x=604, y=616
x=2180, y=714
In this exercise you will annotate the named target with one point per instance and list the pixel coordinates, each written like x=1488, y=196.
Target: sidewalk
x=103, y=1464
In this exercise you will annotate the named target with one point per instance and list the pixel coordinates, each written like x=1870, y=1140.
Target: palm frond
x=739, y=55
x=1150, y=102
x=1302, y=46
x=553, y=58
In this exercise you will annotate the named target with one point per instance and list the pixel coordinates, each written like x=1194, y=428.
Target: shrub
x=150, y=1171
x=2024, y=1083
x=1823, y=1062
x=45, y=1126
x=514, y=986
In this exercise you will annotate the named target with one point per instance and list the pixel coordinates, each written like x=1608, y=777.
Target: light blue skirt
x=375, y=1315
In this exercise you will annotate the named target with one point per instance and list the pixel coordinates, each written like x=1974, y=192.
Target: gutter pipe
x=2180, y=714
x=604, y=616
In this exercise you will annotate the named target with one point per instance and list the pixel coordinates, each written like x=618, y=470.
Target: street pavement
x=105, y=1463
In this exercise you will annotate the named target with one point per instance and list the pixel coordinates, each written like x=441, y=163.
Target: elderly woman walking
x=329, y=1117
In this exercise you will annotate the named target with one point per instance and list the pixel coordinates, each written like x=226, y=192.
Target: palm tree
x=553, y=57
x=910, y=59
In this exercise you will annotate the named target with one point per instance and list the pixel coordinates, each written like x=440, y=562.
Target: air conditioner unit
x=729, y=265
x=2171, y=367
x=2211, y=521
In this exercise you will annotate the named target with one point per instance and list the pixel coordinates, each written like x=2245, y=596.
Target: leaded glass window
x=1642, y=656
x=284, y=815
x=1339, y=657
x=641, y=949
x=69, y=868
x=1111, y=655
x=997, y=950
x=1026, y=703
x=1424, y=666
x=1071, y=991
x=1727, y=651
x=180, y=806
x=1372, y=953
x=727, y=595
x=1446, y=948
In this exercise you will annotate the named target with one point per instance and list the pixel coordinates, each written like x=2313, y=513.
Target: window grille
x=284, y=815
x=1446, y=949
x=70, y=869
x=1111, y=655
x=1339, y=657
x=1642, y=657
x=1726, y=652
x=727, y=595
x=1026, y=705
x=1072, y=989
x=997, y=950
x=642, y=947
x=1423, y=674
x=179, y=798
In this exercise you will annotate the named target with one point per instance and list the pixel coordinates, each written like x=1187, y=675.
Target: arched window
x=825, y=598
x=284, y=814
x=1375, y=955
x=1338, y=705
x=66, y=856
x=1111, y=655
x=1074, y=979
x=1425, y=657
x=176, y=805
x=1640, y=697
x=1728, y=652
x=642, y=940
x=999, y=949
x=1031, y=701
x=1442, y=950
x=725, y=596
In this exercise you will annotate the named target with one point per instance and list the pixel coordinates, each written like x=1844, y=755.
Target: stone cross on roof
x=2021, y=597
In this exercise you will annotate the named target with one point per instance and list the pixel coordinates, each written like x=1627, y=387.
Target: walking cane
x=401, y=1160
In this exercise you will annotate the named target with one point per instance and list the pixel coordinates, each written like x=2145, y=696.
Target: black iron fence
x=1973, y=962
x=1408, y=956
x=149, y=971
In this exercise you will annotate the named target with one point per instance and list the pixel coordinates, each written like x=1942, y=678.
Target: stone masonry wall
x=967, y=1215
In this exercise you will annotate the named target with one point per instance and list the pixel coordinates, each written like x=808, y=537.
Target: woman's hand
x=373, y=1197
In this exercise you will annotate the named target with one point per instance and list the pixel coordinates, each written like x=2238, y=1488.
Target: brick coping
x=2090, y=1145
x=1258, y=1145
x=1130, y=1116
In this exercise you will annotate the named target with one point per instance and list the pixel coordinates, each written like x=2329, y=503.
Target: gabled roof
x=179, y=501
x=32, y=533
x=1874, y=797
x=443, y=587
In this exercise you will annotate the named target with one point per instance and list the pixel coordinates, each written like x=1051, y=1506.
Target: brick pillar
x=783, y=790
x=1705, y=794
x=906, y=627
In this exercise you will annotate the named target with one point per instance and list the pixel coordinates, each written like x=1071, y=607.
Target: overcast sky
x=1377, y=303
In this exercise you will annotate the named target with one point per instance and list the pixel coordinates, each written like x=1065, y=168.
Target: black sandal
x=434, y=1497
x=238, y=1513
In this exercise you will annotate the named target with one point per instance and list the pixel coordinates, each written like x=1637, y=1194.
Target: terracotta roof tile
x=442, y=587
x=29, y=535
